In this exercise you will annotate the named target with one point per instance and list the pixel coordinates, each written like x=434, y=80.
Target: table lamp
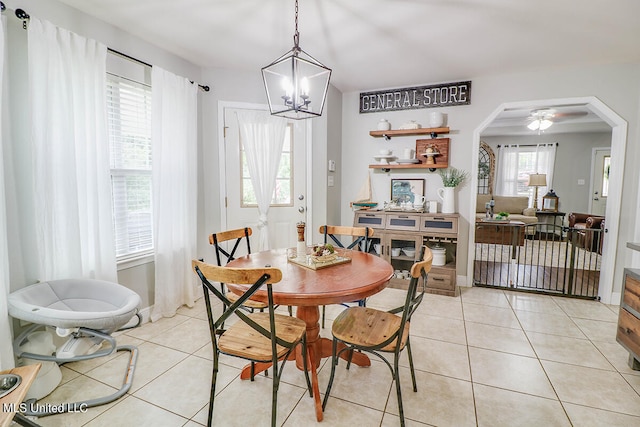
x=537, y=180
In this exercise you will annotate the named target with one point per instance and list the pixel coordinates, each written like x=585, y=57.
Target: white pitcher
x=447, y=196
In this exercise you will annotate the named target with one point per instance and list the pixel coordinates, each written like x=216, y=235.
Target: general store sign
x=411, y=98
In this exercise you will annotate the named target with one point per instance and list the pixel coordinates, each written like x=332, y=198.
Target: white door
x=291, y=204
x=600, y=180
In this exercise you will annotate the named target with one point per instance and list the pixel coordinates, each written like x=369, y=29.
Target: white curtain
x=6, y=348
x=262, y=136
x=507, y=176
x=71, y=176
x=174, y=151
x=545, y=162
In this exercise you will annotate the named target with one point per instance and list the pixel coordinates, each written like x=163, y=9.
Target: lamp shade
x=296, y=85
x=537, y=180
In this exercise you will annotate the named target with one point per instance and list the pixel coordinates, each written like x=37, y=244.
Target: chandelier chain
x=296, y=35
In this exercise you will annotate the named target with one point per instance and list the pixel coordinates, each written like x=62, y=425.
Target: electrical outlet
x=330, y=181
x=581, y=181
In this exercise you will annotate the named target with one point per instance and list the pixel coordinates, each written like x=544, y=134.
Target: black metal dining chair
x=360, y=241
x=257, y=337
x=374, y=331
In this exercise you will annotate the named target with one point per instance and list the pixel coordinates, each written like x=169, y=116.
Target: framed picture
x=406, y=190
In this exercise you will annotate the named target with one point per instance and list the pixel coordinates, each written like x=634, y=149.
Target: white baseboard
x=462, y=281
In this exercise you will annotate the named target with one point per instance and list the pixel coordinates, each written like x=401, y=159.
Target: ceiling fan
x=542, y=119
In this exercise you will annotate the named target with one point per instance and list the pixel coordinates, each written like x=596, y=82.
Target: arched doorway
x=618, y=146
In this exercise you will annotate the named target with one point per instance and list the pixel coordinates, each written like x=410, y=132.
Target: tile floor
x=485, y=358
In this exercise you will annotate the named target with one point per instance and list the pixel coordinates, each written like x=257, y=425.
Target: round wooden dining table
x=308, y=289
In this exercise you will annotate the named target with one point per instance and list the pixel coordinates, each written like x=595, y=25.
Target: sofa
x=586, y=230
x=517, y=207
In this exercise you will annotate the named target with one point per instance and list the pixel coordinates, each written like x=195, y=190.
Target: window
x=516, y=163
x=605, y=176
x=283, y=191
x=129, y=120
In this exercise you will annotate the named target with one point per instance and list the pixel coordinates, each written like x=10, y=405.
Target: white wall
x=618, y=86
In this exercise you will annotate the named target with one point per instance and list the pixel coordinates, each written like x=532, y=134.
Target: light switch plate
x=332, y=165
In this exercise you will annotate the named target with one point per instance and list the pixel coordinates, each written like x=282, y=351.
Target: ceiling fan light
x=534, y=125
x=545, y=124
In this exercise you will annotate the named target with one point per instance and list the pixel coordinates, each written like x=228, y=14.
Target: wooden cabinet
x=397, y=234
x=628, y=334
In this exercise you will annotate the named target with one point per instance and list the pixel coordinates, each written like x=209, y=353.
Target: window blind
x=129, y=118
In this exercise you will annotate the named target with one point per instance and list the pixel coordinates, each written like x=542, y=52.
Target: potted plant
x=451, y=178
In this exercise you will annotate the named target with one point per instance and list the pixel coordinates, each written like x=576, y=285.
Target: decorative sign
x=441, y=95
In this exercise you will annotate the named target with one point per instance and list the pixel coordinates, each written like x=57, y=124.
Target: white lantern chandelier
x=296, y=83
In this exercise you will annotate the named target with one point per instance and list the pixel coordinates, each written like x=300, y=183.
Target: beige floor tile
x=633, y=380
x=617, y=355
x=437, y=357
x=484, y=296
x=509, y=371
x=438, y=328
x=586, y=309
x=130, y=408
x=523, y=409
x=589, y=417
x=532, y=302
x=568, y=350
x=246, y=403
x=188, y=336
x=490, y=315
x=348, y=384
x=338, y=413
x=183, y=389
x=547, y=323
x=77, y=390
x=153, y=361
x=191, y=423
x=387, y=298
x=441, y=306
x=598, y=330
x=390, y=420
x=507, y=340
x=439, y=401
x=87, y=365
x=152, y=329
x=591, y=387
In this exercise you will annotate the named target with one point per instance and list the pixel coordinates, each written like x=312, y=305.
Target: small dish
x=8, y=383
x=395, y=251
x=410, y=252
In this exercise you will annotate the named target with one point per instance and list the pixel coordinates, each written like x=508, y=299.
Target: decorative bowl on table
x=323, y=253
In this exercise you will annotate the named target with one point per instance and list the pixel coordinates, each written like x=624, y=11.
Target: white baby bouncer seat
x=86, y=311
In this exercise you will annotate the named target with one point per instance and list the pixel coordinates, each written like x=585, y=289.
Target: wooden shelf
x=408, y=132
x=407, y=166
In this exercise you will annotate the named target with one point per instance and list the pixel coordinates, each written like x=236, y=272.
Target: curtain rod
x=530, y=145
x=24, y=16
x=139, y=61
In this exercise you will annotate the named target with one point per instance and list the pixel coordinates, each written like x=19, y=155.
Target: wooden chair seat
x=242, y=340
x=368, y=327
x=255, y=305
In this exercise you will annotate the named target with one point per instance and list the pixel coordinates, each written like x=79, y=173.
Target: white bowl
x=385, y=152
x=410, y=252
x=395, y=251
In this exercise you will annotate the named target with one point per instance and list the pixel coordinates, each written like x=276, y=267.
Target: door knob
x=301, y=209
x=301, y=197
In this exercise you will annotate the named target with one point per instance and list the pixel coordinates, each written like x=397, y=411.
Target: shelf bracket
x=434, y=135
x=432, y=169
x=386, y=137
